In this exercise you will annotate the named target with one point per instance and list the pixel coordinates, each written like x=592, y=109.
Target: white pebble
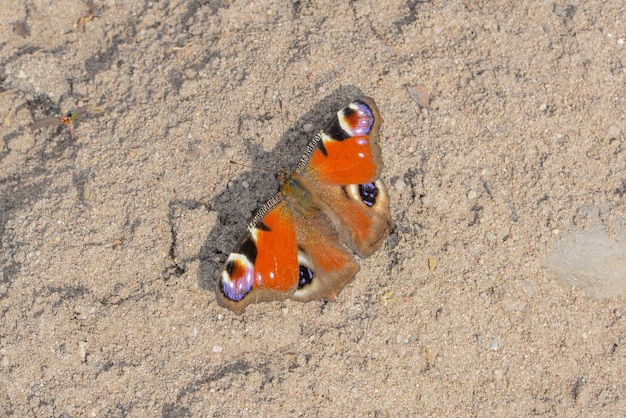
x=82, y=349
x=614, y=131
x=494, y=344
x=399, y=185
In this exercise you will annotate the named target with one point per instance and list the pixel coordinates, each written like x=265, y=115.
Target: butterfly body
x=295, y=246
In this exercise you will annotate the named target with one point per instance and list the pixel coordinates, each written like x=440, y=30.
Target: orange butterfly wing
x=265, y=262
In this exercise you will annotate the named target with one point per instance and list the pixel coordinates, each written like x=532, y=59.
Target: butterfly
x=300, y=244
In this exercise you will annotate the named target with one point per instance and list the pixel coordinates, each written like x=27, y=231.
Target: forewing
x=264, y=266
x=347, y=152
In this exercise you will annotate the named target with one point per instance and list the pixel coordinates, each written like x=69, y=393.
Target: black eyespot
x=369, y=193
x=306, y=277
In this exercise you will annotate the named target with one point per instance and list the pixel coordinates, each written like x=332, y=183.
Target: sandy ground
x=111, y=240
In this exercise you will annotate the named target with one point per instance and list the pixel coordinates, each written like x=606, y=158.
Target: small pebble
x=528, y=288
x=420, y=94
x=494, y=344
x=307, y=127
x=399, y=185
x=431, y=263
x=614, y=131
x=217, y=349
x=82, y=349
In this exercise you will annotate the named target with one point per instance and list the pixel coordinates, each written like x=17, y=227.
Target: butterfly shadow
x=250, y=189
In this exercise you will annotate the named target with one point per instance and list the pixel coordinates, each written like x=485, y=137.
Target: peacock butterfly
x=297, y=243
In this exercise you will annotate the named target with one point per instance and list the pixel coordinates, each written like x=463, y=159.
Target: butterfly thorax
x=300, y=193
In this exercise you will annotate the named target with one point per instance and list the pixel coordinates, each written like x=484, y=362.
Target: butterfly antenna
x=253, y=167
x=281, y=109
x=285, y=157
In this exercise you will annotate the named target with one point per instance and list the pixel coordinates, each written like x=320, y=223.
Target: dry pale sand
x=111, y=240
